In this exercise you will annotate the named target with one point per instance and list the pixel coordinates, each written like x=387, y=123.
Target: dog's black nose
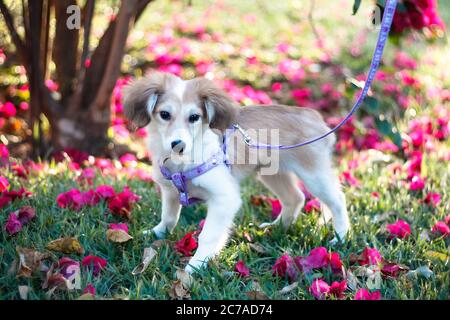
x=177, y=146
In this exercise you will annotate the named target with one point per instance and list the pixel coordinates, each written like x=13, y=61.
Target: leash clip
x=247, y=138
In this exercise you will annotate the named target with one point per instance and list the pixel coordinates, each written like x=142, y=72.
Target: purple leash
x=386, y=23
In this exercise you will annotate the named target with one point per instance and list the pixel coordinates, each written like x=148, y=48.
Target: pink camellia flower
x=89, y=198
x=105, y=192
x=122, y=203
x=335, y=262
x=416, y=184
x=87, y=175
x=276, y=207
x=25, y=214
x=4, y=154
x=441, y=228
x=118, y=226
x=4, y=184
x=8, y=110
x=337, y=289
x=363, y=294
x=447, y=220
x=350, y=179
x=400, y=229
x=285, y=265
x=89, y=289
x=432, y=199
x=66, y=199
x=186, y=245
x=391, y=270
x=128, y=159
x=319, y=289
x=242, y=269
x=96, y=264
x=13, y=225
x=370, y=256
x=311, y=205
x=276, y=86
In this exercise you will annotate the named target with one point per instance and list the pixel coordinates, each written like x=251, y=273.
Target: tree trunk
x=80, y=118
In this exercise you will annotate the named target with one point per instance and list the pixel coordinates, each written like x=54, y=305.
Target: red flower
x=363, y=294
x=186, y=245
x=89, y=289
x=285, y=265
x=25, y=214
x=4, y=184
x=335, y=262
x=432, y=199
x=400, y=229
x=66, y=199
x=311, y=205
x=276, y=207
x=121, y=204
x=105, y=192
x=391, y=269
x=242, y=269
x=95, y=263
x=370, y=256
x=119, y=226
x=441, y=228
x=13, y=225
x=319, y=289
x=337, y=289
x=417, y=183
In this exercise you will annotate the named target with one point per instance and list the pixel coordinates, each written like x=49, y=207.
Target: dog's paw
x=159, y=231
x=270, y=224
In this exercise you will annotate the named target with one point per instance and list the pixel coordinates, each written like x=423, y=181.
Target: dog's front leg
x=170, y=212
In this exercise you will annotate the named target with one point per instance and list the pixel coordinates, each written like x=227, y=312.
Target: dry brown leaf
x=66, y=245
x=185, y=278
x=179, y=291
x=117, y=236
x=149, y=254
x=29, y=261
x=288, y=288
x=258, y=248
x=256, y=292
x=23, y=292
x=159, y=243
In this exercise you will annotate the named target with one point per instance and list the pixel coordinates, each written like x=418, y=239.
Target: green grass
x=90, y=224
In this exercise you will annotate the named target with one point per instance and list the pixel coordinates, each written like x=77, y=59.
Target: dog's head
x=180, y=111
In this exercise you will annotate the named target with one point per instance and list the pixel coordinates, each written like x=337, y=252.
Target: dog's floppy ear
x=221, y=110
x=141, y=96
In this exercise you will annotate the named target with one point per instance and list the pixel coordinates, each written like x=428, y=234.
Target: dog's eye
x=164, y=115
x=193, y=118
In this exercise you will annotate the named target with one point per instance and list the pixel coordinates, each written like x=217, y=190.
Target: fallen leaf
x=383, y=217
x=57, y=281
x=23, y=292
x=434, y=255
x=117, y=236
x=179, y=291
x=149, y=254
x=423, y=271
x=65, y=245
x=159, y=243
x=256, y=292
x=288, y=288
x=352, y=281
x=185, y=278
x=29, y=261
x=258, y=248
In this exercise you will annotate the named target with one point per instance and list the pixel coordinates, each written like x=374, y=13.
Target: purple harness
x=179, y=178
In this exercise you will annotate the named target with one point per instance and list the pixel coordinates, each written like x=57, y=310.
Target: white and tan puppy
x=186, y=120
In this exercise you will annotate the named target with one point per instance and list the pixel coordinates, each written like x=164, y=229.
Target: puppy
x=186, y=121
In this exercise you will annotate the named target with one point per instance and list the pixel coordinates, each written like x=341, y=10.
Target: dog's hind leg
x=284, y=186
x=324, y=185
